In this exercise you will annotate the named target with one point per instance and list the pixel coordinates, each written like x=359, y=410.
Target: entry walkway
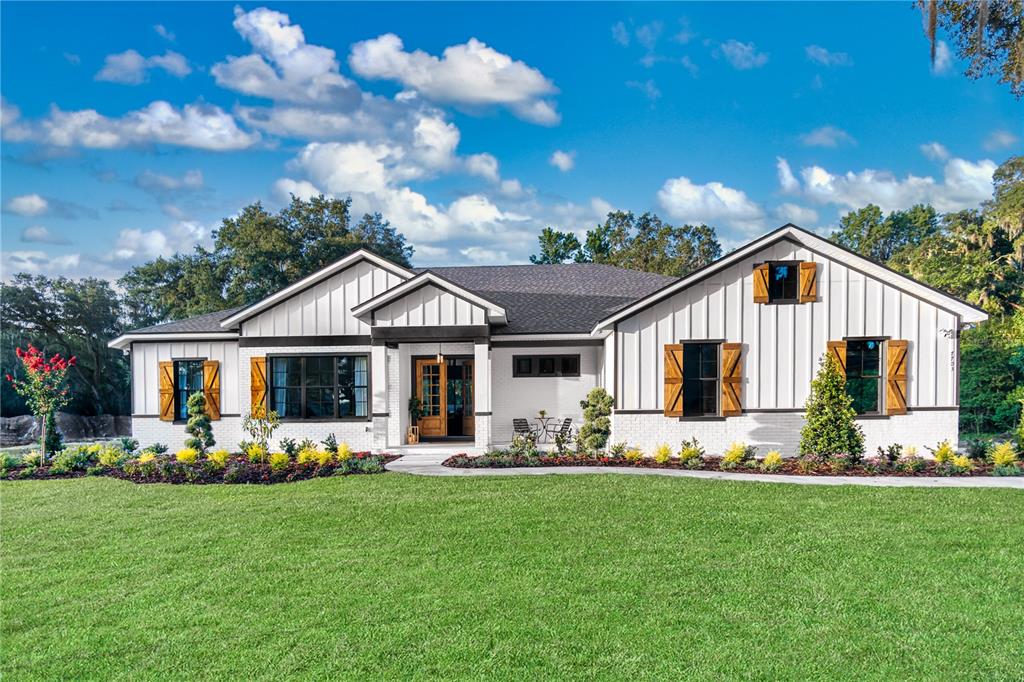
x=428, y=463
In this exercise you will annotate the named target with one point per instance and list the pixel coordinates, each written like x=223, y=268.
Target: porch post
x=379, y=386
x=482, y=393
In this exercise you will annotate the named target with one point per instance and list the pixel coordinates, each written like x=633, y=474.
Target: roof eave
x=125, y=340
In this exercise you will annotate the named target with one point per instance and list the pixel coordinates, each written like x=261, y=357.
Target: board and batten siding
x=325, y=309
x=782, y=344
x=146, y=357
x=429, y=306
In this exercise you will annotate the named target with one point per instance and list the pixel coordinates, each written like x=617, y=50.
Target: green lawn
x=394, y=576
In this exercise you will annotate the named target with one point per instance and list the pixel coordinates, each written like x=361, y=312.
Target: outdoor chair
x=521, y=427
x=565, y=430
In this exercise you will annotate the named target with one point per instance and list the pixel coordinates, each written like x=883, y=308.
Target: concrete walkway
x=429, y=464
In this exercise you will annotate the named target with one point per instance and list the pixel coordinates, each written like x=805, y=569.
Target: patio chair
x=521, y=427
x=565, y=430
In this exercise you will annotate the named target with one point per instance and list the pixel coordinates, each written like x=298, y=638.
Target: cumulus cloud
x=964, y=184
x=821, y=55
x=200, y=126
x=470, y=74
x=37, y=263
x=286, y=188
x=691, y=202
x=28, y=205
x=32, y=205
x=827, y=136
x=787, y=181
x=796, y=214
x=163, y=32
x=743, y=56
x=483, y=165
x=131, y=68
x=42, y=235
x=934, y=151
x=1000, y=139
x=136, y=245
x=478, y=255
x=563, y=161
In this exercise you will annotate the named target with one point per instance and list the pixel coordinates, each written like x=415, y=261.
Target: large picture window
x=188, y=379
x=783, y=281
x=700, y=379
x=545, y=366
x=864, y=375
x=319, y=386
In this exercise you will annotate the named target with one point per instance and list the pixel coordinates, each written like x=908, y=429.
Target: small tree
x=260, y=425
x=44, y=388
x=830, y=428
x=597, y=423
x=198, y=425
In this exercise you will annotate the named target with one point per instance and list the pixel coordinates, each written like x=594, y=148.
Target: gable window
x=701, y=386
x=545, y=366
x=783, y=281
x=319, y=386
x=188, y=379
x=864, y=375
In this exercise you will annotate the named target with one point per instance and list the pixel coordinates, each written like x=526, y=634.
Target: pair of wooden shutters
x=731, y=378
x=807, y=291
x=896, y=360
x=211, y=389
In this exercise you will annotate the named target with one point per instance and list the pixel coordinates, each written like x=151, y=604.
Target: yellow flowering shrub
x=187, y=455
x=256, y=453
x=344, y=452
x=910, y=451
x=944, y=452
x=734, y=455
x=146, y=457
x=662, y=453
x=1002, y=454
x=219, y=458
x=108, y=456
x=961, y=462
x=633, y=455
x=279, y=461
x=311, y=455
x=772, y=461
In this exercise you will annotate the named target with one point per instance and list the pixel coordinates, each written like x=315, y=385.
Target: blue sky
x=131, y=130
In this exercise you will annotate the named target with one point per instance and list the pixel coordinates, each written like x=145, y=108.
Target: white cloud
x=159, y=183
x=712, y=202
x=1000, y=139
x=743, y=55
x=563, y=161
x=479, y=255
x=28, y=205
x=163, y=32
x=42, y=235
x=131, y=68
x=435, y=140
x=302, y=189
x=283, y=66
x=470, y=74
x=798, y=215
x=827, y=136
x=37, y=263
x=620, y=33
x=483, y=165
x=649, y=89
x=934, y=151
x=788, y=181
x=821, y=55
x=648, y=34
x=512, y=188
x=943, y=59
x=200, y=126
x=135, y=245
x=965, y=184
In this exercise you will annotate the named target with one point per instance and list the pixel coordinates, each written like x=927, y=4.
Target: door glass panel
x=430, y=390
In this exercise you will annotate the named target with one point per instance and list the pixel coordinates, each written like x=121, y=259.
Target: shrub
x=313, y=455
x=110, y=456
x=198, y=427
x=156, y=448
x=1003, y=454
x=772, y=461
x=525, y=446
x=910, y=462
x=7, y=463
x=70, y=459
x=260, y=426
x=289, y=447
x=830, y=428
x=306, y=444
x=617, y=451
x=127, y=443
x=32, y=459
x=597, y=423
x=809, y=463
x=633, y=455
x=330, y=443
x=736, y=454
x=890, y=455
x=344, y=452
x=691, y=454
x=662, y=453
x=279, y=461
x=978, y=448
x=187, y=455
x=1008, y=470
x=54, y=440
x=943, y=453
x=840, y=462
x=257, y=453
x=219, y=458
x=955, y=464
x=562, y=444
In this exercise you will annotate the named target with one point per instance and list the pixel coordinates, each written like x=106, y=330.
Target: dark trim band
x=278, y=341
x=381, y=414
x=555, y=343
x=439, y=333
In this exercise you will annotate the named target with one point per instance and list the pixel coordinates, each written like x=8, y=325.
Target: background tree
x=886, y=238
x=556, y=247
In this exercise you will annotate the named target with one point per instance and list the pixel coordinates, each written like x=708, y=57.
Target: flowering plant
x=44, y=387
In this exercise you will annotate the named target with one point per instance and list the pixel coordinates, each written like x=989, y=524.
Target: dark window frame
x=784, y=300
x=879, y=410
x=336, y=386
x=717, y=380
x=178, y=405
x=537, y=360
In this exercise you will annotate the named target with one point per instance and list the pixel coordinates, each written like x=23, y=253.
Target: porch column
x=482, y=393
x=379, y=386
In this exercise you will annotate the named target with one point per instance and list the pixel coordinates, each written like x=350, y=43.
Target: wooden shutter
x=808, y=282
x=673, y=380
x=732, y=379
x=837, y=349
x=167, y=391
x=211, y=388
x=258, y=386
x=896, y=378
x=761, y=283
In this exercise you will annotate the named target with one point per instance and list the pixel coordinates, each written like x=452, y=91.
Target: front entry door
x=430, y=381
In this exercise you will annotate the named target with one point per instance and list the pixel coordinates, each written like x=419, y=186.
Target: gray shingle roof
x=538, y=299
x=551, y=299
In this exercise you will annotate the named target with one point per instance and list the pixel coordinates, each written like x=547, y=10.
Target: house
x=724, y=354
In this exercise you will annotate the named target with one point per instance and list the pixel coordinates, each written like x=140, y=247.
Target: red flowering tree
x=44, y=387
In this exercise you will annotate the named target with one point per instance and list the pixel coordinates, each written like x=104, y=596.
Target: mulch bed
x=789, y=466
x=236, y=470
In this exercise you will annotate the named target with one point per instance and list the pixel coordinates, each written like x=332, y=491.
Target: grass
x=394, y=576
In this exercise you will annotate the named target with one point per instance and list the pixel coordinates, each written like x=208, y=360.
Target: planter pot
x=412, y=436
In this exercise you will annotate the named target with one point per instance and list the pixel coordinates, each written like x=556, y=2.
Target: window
x=546, y=366
x=700, y=379
x=188, y=379
x=783, y=281
x=864, y=375
x=319, y=386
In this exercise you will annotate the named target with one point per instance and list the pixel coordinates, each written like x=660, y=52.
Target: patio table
x=543, y=436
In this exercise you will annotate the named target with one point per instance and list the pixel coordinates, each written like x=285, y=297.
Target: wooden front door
x=430, y=383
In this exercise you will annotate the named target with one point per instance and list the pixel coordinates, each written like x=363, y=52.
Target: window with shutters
x=319, y=386
x=864, y=374
x=783, y=281
x=701, y=378
x=188, y=379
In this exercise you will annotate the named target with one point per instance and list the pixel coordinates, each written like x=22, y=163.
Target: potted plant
x=415, y=412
